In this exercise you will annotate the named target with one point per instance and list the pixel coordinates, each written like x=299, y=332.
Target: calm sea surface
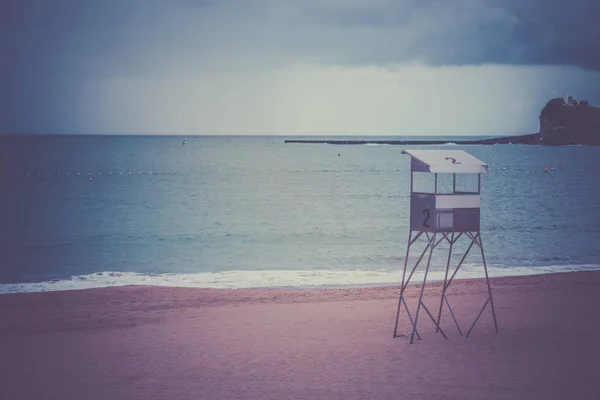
x=255, y=212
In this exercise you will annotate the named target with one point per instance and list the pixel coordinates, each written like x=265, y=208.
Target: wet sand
x=140, y=342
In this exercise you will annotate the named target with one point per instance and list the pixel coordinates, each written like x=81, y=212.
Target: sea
x=247, y=211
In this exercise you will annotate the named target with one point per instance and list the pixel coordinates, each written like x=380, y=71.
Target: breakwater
x=533, y=138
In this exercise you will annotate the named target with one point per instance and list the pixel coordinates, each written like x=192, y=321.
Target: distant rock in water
x=569, y=122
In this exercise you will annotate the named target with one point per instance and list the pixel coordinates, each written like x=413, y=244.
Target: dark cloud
x=558, y=32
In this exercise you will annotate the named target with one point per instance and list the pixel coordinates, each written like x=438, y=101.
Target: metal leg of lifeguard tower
x=475, y=240
x=431, y=244
x=452, y=240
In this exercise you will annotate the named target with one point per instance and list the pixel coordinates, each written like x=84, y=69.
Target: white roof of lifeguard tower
x=445, y=161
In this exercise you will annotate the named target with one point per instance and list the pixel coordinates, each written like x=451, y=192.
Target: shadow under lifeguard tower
x=443, y=213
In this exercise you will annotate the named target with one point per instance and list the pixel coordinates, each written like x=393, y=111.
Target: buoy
x=90, y=179
x=545, y=169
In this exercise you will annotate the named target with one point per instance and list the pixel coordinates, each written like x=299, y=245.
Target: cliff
x=569, y=122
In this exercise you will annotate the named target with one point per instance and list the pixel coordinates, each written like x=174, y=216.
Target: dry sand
x=172, y=343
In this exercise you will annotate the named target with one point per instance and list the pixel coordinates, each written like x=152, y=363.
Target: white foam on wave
x=273, y=278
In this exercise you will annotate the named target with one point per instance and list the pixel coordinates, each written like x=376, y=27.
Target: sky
x=293, y=67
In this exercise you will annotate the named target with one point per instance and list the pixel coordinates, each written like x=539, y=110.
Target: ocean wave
x=329, y=278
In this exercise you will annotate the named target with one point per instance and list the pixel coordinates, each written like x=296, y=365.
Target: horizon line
x=252, y=134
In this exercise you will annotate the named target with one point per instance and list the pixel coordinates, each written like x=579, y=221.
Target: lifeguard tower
x=443, y=213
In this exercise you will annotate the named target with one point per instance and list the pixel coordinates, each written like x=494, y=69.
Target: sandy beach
x=138, y=342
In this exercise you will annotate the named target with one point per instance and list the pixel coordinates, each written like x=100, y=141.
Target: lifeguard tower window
x=445, y=184
x=467, y=183
x=423, y=182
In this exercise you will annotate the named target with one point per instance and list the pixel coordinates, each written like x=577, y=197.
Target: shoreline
x=311, y=294
x=276, y=280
